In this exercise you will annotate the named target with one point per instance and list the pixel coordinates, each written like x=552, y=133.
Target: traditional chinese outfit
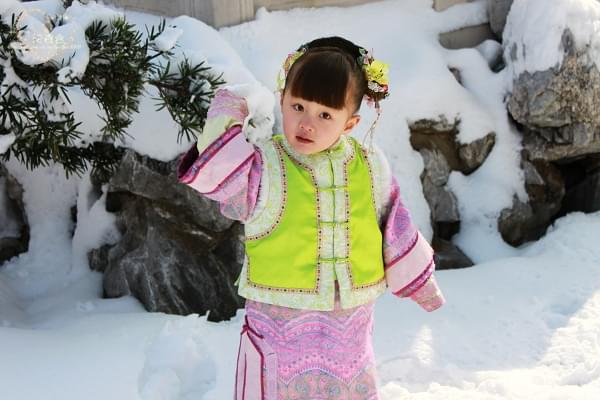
x=326, y=234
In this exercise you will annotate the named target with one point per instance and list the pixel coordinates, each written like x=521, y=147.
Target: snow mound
x=177, y=365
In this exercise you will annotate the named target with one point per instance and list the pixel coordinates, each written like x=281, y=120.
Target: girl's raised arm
x=223, y=165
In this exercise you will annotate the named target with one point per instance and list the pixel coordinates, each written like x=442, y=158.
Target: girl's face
x=311, y=127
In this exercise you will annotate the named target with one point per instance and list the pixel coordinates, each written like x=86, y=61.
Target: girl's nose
x=306, y=125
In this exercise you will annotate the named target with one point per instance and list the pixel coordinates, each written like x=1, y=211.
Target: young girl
x=326, y=231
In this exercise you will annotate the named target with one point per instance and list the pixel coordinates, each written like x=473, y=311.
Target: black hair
x=329, y=73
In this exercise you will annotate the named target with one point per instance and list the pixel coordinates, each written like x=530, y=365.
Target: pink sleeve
x=408, y=257
x=228, y=171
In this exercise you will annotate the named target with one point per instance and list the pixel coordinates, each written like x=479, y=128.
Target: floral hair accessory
x=287, y=64
x=376, y=72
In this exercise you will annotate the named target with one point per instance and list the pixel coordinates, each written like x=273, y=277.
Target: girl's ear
x=351, y=123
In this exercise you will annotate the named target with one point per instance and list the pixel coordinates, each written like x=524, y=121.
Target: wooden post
x=213, y=12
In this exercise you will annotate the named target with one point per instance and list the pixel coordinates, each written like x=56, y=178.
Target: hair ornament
x=287, y=65
x=376, y=73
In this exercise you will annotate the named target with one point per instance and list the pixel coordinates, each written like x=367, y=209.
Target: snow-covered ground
x=521, y=324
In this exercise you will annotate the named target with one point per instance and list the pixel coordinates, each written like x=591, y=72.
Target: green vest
x=288, y=257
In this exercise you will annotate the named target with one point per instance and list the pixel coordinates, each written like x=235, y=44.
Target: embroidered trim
x=314, y=290
x=370, y=169
x=349, y=264
x=347, y=207
x=282, y=203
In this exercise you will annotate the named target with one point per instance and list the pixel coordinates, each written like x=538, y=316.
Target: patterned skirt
x=293, y=354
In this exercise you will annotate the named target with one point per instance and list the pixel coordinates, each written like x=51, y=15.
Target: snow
x=521, y=324
x=6, y=141
x=534, y=29
x=168, y=38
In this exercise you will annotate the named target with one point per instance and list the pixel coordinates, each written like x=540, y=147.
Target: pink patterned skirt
x=293, y=354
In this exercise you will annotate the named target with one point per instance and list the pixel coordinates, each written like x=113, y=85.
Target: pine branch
x=35, y=104
x=186, y=95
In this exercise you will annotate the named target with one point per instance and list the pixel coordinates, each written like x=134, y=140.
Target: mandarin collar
x=342, y=149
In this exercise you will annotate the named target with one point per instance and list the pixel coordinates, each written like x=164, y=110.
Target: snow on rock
x=47, y=197
x=95, y=226
x=491, y=50
x=534, y=32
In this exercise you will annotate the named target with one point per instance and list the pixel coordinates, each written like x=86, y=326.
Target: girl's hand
x=258, y=124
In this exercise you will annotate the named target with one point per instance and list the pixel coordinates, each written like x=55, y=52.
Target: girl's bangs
x=321, y=79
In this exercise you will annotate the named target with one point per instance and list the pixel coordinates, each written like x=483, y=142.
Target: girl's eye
x=325, y=115
x=298, y=107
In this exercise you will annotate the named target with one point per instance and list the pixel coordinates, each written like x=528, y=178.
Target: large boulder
x=559, y=107
x=556, y=109
x=177, y=253
x=14, y=228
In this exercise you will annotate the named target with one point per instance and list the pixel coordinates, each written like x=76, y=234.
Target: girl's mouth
x=303, y=140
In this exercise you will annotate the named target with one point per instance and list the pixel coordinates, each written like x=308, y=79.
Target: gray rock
x=497, y=13
x=435, y=166
x=442, y=202
x=154, y=180
x=16, y=239
x=441, y=152
x=473, y=154
x=552, y=144
x=177, y=253
x=524, y=222
x=440, y=135
x=449, y=256
x=557, y=112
